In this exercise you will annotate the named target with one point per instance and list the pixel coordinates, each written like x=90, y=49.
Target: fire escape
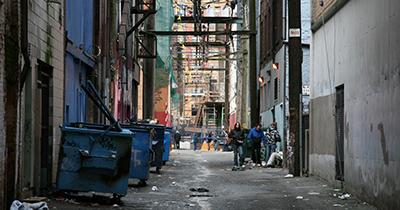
x=202, y=44
x=143, y=9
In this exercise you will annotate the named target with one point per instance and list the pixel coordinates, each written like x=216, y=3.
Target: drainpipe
x=24, y=44
x=122, y=86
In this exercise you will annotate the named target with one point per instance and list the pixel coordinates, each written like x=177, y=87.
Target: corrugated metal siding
x=75, y=98
x=79, y=22
x=79, y=27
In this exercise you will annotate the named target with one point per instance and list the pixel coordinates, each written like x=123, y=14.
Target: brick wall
x=317, y=9
x=46, y=40
x=271, y=32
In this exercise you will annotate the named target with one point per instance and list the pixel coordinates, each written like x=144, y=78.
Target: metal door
x=339, y=132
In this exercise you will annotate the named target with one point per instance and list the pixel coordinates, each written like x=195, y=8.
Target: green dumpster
x=246, y=144
x=263, y=150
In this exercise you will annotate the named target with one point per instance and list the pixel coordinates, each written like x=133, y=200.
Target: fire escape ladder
x=146, y=8
x=199, y=115
x=143, y=51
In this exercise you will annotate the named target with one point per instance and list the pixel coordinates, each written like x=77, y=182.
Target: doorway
x=339, y=133
x=46, y=146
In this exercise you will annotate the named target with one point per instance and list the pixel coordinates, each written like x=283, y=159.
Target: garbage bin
x=167, y=143
x=263, y=151
x=157, y=143
x=246, y=144
x=94, y=159
x=141, y=157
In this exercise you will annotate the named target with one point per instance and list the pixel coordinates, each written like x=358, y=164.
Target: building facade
x=43, y=94
x=79, y=62
x=355, y=88
x=32, y=86
x=274, y=63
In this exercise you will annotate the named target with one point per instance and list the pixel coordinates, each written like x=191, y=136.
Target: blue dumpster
x=141, y=154
x=95, y=157
x=94, y=160
x=167, y=143
x=157, y=143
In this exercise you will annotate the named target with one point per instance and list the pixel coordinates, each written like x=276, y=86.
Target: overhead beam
x=197, y=83
x=206, y=58
x=196, y=73
x=199, y=33
x=189, y=44
x=200, y=69
x=215, y=55
x=190, y=19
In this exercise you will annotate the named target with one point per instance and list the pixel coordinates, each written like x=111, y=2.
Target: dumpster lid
x=135, y=127
x=122, y=133
x=96, y=98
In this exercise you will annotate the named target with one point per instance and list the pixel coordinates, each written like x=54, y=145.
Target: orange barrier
x=205, y=146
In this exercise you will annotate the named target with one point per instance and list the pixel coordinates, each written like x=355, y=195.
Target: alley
x=254, y=188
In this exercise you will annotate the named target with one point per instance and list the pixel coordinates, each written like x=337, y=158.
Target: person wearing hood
x=255, y=136
x=237, y=136
x=273, y=137
x=177, y=139
x=194, y=140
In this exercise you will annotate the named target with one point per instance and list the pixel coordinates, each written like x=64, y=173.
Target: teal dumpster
x=263, y=151
x=246, y=144
x=94, y=159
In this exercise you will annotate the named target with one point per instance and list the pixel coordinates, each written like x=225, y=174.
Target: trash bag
x=18, y=205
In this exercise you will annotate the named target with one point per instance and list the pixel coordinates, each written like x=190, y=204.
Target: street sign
x=294, y=32
x=306, y=90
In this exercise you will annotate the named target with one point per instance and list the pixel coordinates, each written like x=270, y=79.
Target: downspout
x=24, y=44
x=23, y=75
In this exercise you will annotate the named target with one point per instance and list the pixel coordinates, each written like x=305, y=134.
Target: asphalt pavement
x=205, y=180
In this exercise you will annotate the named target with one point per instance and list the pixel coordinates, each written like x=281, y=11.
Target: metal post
x=149, y=74
x=225, y=113
x=253, y=65
x=295, y=80
x=300, y=132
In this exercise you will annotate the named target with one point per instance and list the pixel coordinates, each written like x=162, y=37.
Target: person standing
x=215, y=143
x=255, y=136
x=194, y=140
x=272, y=138
x=237, y=136
x=177, y=138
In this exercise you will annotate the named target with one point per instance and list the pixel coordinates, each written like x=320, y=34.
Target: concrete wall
x=268, y=105
x=362, y=52
x=267, y=90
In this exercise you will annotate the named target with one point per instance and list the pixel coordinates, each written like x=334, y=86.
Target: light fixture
x=261, y=79
x=275, y=66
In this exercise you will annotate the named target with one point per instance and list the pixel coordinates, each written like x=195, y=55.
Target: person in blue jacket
x=255, y=136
